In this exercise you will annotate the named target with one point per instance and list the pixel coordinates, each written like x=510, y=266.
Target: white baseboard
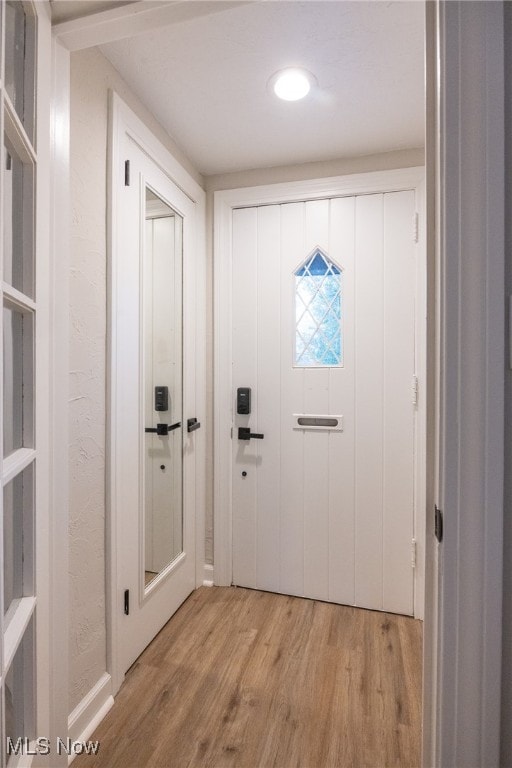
x=208, y=575
x=89, y=713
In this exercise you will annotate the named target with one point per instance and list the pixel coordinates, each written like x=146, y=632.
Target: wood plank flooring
x=247, y=679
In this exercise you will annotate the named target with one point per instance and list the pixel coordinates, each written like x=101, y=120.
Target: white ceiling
x=206, y=81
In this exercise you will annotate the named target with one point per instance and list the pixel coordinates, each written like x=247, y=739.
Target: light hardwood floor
x=247, y=679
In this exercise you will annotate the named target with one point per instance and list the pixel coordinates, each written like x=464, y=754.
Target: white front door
x=324, y=337
x=154, y=396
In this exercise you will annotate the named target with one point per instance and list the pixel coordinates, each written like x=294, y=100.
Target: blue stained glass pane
x=304, y=289
x=300, y=308
x=318, y=312
x=307, y=327
x=331, y=326
x=307, y=358
x=336, y=348
x=331, y=287
x=320, y=347
x=331, y=358
x=318, y=265
x=318, y=308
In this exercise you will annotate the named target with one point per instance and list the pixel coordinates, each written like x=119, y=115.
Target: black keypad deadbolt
x=161, y=398
x=243, y=400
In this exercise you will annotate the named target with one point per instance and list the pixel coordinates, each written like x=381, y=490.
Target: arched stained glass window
x=318, y=297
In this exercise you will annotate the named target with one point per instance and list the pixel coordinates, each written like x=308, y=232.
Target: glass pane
x=18, y=380
x=18, y=223
x=18, y=511
x=318, y=303
x=19, y=695
x=162, y=334
x=19, y=61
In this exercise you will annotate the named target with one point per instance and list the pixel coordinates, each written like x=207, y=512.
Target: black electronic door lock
x=161, y=398
x=243, y=400
x=163, y=429
x=244, y=433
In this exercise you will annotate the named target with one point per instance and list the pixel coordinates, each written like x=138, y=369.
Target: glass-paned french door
x=18, y=165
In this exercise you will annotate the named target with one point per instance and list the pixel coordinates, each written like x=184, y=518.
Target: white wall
x=386, y=161
x=91, y=77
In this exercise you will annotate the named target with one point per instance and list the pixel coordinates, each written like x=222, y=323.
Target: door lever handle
x=244, y=433
x=163, y=429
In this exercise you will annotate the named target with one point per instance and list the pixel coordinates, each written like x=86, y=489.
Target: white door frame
x=464, y=634
x=123, y=121
x=56, y=566
x=225, y=202
x=51, y=396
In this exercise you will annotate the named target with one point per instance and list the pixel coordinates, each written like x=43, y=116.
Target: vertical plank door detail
x=326, y=514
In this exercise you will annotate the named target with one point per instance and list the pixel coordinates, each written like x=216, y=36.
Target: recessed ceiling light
x=291, y=84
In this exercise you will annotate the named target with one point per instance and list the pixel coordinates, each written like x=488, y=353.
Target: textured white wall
x=87, y=296
x=91, y=77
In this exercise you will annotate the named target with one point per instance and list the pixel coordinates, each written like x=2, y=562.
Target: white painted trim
x=90, y=711
x=58, y=571
x=16, y=463
x=123, y=121
x=44, y=337
x=111, y=555
x=140, y=133
x=316, y=189
x=432, y=370
x=471, y=206
x=224, y=203
x=208, y=579
x=420, y=426
x=133, y=19
x=20, y=614
x=199, y=436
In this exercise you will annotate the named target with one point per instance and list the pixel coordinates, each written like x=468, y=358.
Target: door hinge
x=413, y=553
x=127, y=173
x=415, y=390
x=127, y=602
x=438, y=523
x=415, y=227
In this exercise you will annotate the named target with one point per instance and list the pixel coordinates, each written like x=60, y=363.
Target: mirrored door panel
x=162, y=386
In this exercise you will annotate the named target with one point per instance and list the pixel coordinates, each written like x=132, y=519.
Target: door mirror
x=162, y=385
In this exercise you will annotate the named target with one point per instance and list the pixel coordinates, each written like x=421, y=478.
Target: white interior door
x=324, y=336
x=153, y=386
